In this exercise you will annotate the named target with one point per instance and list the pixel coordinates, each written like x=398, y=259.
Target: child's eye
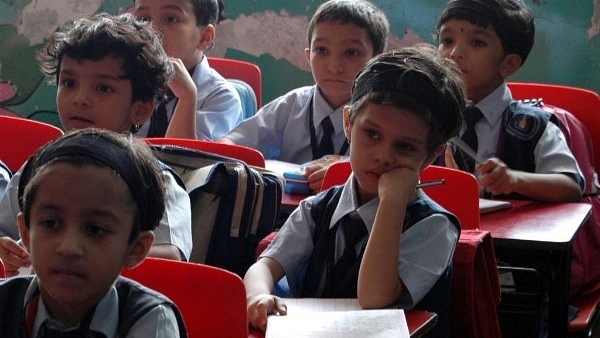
x=352, y=52
x=405, y=147
x=320, y=50
x=372, y=134
x=479, y=43
x=67, y=83
x=446, y=41
x=171, y=19
x=96, y=230
x=104, y=88
x=49, y=223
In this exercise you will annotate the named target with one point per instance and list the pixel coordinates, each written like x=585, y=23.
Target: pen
x=466, y=149
x=430, y=183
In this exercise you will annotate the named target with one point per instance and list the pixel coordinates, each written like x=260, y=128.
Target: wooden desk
x=548, y=229
x=419, y=322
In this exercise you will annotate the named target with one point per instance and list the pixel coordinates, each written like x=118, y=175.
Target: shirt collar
x=349, y=202
x=105, y=318
x=493, y=105
x=322, y=109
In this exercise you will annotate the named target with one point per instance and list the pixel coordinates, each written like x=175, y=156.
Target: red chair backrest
x=251, y=156
x=241, y=70
x=211, y=300
x=583, y=103
x=459, y=194
x=336, y=174
x=21, y=137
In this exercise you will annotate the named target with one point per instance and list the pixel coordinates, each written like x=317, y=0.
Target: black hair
x=511, y=19
x=418, y=79
x=359, y=12
x=145, y=62
x=129, y=157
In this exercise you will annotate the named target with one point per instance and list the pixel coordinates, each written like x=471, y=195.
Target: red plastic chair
x=241, y=70
x=583, y=103
x=251, y=156
x=459, y=194
x=211, y=300
x=21, y=137
x=336, y=174
x=457, y=183
x=580, y=122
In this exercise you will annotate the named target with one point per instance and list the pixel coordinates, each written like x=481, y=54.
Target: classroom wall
x=271, y=33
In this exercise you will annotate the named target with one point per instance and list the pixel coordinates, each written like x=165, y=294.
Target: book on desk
x=489, y=205
x=332, y=318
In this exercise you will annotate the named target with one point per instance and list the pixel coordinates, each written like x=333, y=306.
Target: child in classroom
x=91, y=200
x=405, y=105
x=306, y=123
x=202, y=100
x=524, y=154
x=110, y=71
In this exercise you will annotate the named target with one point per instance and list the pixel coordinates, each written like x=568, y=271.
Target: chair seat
x=587, y=303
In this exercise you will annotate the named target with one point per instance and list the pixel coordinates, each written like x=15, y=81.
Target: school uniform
x=281, y=130
x=218, y=104
x=5, y=175
x=524, y=137
x=175, y=226
x=127, y=310
x=425, y=274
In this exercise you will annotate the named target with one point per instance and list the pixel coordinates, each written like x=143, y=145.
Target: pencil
x=430, y=183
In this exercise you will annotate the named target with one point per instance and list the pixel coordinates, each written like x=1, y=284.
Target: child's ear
x=207, y=37
x=433, y=156
x=138, y=250
x=347, y=124
x=307, y=54
x=141, y=111
x=23, y=230
x=510, y=64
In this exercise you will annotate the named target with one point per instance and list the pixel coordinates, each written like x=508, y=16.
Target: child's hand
x=13, y=255
x=398, y=182
x=314, y=175
x=496, y=177
x=182, y=84
x=263, y=305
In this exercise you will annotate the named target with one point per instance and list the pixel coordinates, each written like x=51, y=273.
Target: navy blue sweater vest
x=316, y=283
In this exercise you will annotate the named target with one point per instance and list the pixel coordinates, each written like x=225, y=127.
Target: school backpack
x=234, y=205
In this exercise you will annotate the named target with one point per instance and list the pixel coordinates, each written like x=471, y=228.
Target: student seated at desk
x=109, y=71
x=91, y=200
x=306, y=123
x=405, y=105
x=523, y=150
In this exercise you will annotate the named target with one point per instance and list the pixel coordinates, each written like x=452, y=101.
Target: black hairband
x=91, y=146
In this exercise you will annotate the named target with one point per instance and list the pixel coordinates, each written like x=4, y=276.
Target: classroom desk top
x=419, y=322
x=548, y=228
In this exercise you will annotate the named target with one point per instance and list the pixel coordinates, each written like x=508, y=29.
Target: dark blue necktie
x=326, y=143
x=464, y=161
x=354, y=231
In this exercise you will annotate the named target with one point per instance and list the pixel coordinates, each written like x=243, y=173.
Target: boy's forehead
x=108, y=67
x=339, y=31
x=467, y=26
